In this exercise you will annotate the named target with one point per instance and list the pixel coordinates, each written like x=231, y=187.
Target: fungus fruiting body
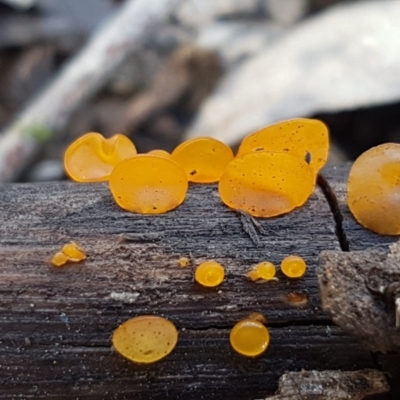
x=263, y=270
x=74, y=252
x=250, y=337
x=91, y=158
x=148, y=184
x=209, y=274
x=183, y=262
x=145, y=339
x=70, y=252
x=305, y=138
x=159, y=152
x=203, y=159
x=266, y=184
x=59, y=259
x=293, y=266
x=373, y=189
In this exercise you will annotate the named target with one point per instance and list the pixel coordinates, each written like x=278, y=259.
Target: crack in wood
x=333, y=203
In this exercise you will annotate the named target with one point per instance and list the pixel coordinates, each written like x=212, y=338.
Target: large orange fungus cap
x=91, y=158
x=203, y=158
x=266, y=184
x=305, y=138
x=373, y=189
x=148, y=184
x=145, y=339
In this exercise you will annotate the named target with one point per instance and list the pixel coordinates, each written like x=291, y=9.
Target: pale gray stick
x=47, y=114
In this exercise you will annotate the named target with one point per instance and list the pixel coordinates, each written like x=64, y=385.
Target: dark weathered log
x=56, y=323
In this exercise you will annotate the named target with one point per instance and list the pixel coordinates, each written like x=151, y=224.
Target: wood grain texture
x=56, y=324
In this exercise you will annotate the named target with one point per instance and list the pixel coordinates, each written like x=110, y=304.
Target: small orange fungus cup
x=373, y=189
x=203, y=159
x=250, y=337
x=209, y=274
x=91, y=158
x=264, y=270
x=266, y=184
x=293, y=266
x=148, y=184
x=302, y=137
x=145, y=339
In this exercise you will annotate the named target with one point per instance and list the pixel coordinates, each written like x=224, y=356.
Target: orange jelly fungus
x=305, y=138
x=249, y=337
x=203, y=158
x=373, y=189
x=148, y=184
x=209, y=274
x=70, y=252
x=91, y=158
x=74, y=252
x=159, y=152
x=264, y=270
x=293, y=266
x=266, y=184
x=145, y=339
x=59, y=259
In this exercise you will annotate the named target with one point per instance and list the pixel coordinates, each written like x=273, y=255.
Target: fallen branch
x=123, y=35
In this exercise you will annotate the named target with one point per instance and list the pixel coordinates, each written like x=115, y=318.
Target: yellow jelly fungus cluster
x=145, y=339
x=250, y=337
x=70, y=252
x=209, y=274
x=91, y=158
x=373, y=189
x=293, y=266
x=263, y=179
x=264, y=270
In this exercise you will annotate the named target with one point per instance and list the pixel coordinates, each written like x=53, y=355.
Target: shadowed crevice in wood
x=332, y=200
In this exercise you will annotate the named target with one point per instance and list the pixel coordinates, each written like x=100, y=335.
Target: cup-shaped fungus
x=373, y=189
x=250, y=337
x=145, y=339
x=266, y=184
x=148, y=184
x=203, y=158
x=305, y=138
x=91, y=158
x=74, y=252
x=293, y=266
x=263, y=270
x=209, y=274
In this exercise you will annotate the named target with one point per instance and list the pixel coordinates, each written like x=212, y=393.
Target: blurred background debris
x=197, y=67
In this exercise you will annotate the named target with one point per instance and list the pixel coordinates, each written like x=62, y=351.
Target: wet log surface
x=56, y=324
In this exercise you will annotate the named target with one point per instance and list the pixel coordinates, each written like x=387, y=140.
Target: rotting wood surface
x=56, y=323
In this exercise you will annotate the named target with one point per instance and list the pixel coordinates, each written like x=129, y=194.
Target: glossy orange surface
x=203, y=158
x=373, y=189
x=148, y=184
x=91, y=158
x=266, y=184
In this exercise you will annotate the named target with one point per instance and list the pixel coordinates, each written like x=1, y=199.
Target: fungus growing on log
x=250, y=337
x=204, y=159
x=145, y=339
x=373, y=189
x=305, y=138
x=209, y=274
x=148, y=184
x=266, y=184
x=91, y=158
x=293, y=266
